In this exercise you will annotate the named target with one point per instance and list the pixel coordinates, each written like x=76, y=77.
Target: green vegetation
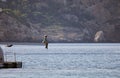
x=35, y=11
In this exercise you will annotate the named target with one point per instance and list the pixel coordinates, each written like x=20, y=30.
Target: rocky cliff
x=61, y=20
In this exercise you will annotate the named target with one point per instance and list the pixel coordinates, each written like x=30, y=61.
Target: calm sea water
x=64, y=61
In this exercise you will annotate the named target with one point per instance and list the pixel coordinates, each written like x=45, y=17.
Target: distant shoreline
x=38, y=43
x=21, y=43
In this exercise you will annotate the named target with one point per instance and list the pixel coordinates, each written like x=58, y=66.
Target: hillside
x=61, y=20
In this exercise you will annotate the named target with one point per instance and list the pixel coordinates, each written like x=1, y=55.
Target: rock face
x=99, y=36
x=13, y=30
x=61, y=20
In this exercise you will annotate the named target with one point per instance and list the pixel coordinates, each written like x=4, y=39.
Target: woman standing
x=45, y=41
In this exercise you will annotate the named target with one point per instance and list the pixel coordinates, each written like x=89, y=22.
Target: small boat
x=7, y=64
x=9, y=45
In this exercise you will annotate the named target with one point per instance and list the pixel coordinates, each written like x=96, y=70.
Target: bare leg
x=46, y=45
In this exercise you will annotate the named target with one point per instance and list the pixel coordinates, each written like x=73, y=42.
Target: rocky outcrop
x=99, y=36
x=61, y=20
